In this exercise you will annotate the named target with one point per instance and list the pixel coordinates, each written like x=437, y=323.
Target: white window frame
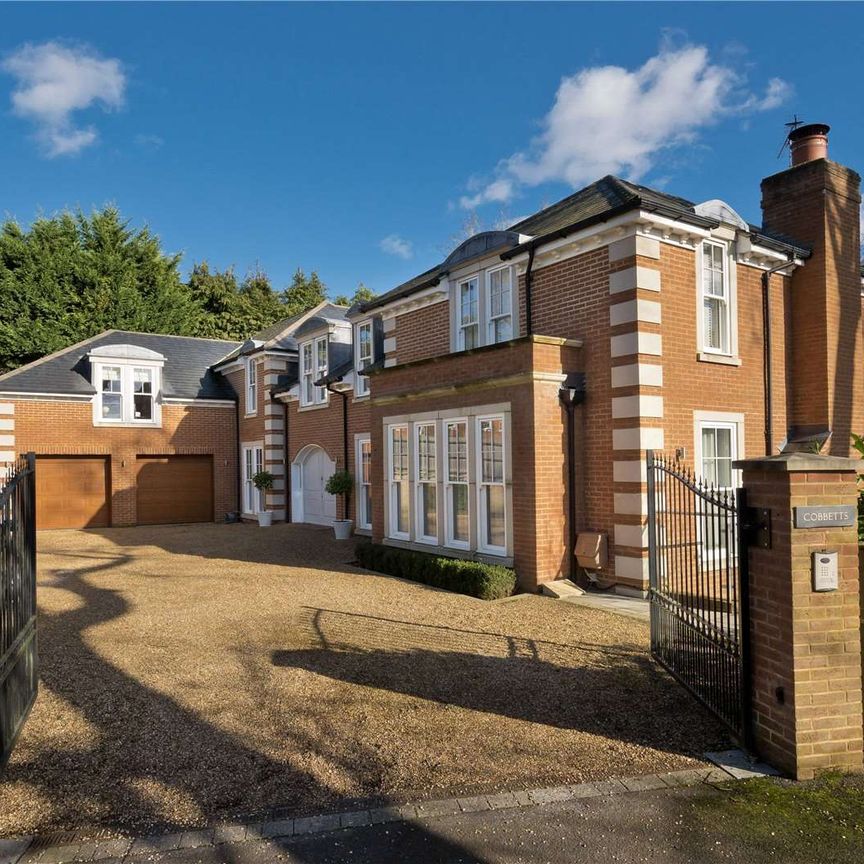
x=728, y=299
x=361, y=361
x=392, y=483
x=490, y=319
x=707, y=420
x=312, y=372
x=449, y=539
x=251, y=386
x=461, y=325
x=483, y=544
x=420, y=483
x=127, y=392
x=364, y=519
x=251, y=462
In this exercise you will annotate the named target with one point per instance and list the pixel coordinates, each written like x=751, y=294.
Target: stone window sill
x=721, y=359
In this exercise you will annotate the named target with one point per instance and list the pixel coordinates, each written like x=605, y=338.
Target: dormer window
x=364, y=357
x=251, y=386
x=483, y=305
x=127, y=380
x=313, y=366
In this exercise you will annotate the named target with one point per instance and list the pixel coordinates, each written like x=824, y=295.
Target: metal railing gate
x=18, y=665
x=698, y=589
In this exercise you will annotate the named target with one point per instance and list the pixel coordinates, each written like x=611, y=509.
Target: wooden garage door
x=72, y=492
x=174, y=489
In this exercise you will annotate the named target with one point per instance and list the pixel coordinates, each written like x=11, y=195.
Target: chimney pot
x=809, y=142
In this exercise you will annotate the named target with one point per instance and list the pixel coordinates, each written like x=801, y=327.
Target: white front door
x=319, y=507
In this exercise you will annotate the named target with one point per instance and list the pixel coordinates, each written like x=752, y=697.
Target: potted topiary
x=263, y=480
x=341, y=483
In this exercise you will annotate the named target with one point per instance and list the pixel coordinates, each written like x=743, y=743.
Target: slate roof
x=186, y=374
x=597, y=202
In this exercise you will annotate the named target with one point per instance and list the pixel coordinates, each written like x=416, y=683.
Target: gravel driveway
x=192, y=672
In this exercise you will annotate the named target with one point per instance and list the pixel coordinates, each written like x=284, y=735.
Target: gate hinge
x=756, y=526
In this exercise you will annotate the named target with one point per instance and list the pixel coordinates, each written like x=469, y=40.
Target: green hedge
x=486, y=581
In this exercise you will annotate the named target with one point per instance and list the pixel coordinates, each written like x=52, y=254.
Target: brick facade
x=66, y=428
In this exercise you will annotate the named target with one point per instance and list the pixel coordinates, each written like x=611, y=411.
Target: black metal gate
x=698, y=589
x=18, y=666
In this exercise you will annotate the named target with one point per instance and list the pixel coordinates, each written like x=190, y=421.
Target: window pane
x=401, y=506
x=110, y=379
x=492, y=451
x=459, y=512
x=469, y=337
x=468, y=301
x=502, y=329
x=426, y=456
x=143, y=407
x=112, y=408
x=366, y=462
x=429, y=513
x=367, y=505
x=494, y=515
x=457, y=452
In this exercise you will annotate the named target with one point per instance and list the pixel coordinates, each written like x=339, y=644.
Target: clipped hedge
x=474, y=578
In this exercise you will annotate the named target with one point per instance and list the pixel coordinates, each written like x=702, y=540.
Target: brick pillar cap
x=809, y=462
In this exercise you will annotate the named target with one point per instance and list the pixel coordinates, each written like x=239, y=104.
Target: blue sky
x=356, y=139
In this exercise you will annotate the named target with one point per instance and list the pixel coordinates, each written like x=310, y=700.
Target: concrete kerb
x=15, y=850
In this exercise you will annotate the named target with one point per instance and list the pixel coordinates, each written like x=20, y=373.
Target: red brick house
x=499, y=405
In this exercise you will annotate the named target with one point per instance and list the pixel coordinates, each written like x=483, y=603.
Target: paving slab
x=742, y=766
x=12, y=849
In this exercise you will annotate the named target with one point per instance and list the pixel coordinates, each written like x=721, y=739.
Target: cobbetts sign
x=825, y=517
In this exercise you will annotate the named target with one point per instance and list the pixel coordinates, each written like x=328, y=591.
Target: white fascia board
x=56, y=397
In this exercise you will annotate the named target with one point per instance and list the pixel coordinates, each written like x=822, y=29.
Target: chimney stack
x=816, y=203
x=809, y=142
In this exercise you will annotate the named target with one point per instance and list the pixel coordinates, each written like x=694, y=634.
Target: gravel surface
x=190, y=673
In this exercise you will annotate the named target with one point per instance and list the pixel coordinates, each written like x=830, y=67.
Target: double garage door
x=75, y=491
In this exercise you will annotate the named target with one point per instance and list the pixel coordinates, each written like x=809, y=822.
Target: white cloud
x=612, y=120
x=53, y=81
x=393, y=244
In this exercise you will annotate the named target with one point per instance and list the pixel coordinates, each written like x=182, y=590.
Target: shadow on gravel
x=615, y=692
x=143, y=745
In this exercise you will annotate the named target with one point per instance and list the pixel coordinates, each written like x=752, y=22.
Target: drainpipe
x=528, y=324
x=766, y=340
x=570, y=398
x=344, y=396
x=237, y=460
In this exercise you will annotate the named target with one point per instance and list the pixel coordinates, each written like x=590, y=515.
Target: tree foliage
x=72, y=276
x=361, y=295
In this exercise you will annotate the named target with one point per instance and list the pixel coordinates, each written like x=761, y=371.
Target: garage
x=174, y=489
x=73, y=492
x=310, y=472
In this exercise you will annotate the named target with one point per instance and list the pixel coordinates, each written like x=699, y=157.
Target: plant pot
x=265, y=518
x=342, y=528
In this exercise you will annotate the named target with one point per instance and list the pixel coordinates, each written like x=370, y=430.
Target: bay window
x=469, y=314
x=398, y=481
x=715, y=299
x=490, y=485
x=363, y=358
x=427, y=489
x=453, y=471
x=456, y=485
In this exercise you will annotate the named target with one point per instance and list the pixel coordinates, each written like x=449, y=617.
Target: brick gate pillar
x=805, y=643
